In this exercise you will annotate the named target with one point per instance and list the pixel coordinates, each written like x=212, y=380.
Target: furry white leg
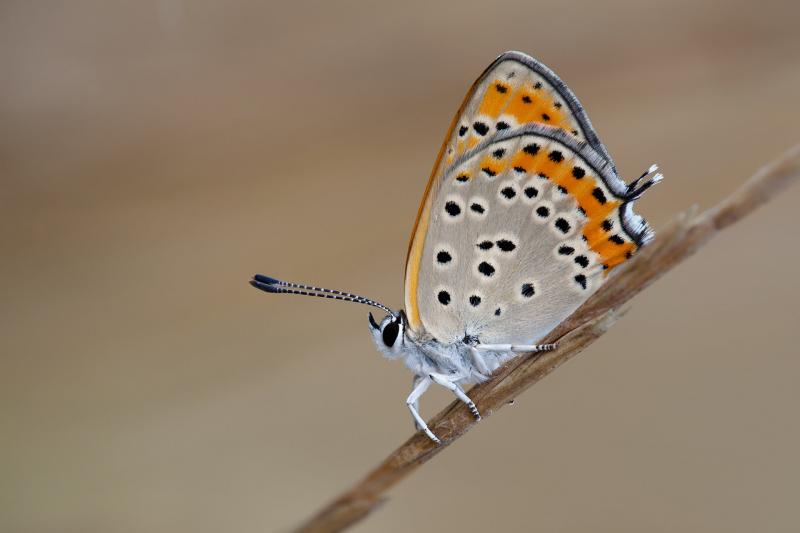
x=419, y=388
x=458, y=391
x=517, y=348
x=479, y=362
x=414, y=382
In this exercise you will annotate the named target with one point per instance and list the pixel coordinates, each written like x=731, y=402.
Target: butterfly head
x=389, y=335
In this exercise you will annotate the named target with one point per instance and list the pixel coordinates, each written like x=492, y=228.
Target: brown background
x=156, y=154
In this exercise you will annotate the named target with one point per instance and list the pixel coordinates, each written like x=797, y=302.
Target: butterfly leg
x=517, y=348
x=479, y=362
x=420, y=386
x=414, y=382
x=458, y=391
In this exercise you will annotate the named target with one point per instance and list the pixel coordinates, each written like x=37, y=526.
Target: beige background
x=156, y=154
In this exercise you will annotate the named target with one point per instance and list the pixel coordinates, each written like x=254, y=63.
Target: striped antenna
x=268, y=284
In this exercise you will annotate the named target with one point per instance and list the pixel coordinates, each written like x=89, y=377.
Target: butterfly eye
x=390, y=332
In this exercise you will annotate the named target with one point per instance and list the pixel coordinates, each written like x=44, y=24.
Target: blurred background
x=154, y=155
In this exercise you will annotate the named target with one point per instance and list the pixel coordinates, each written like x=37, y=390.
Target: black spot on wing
x=531, y=149
x=527, y=290
x=506, y=245
x=480, y=128
x=562, y=225
x=508, y=192
x=582, y=260
x=599, y=195
x=452, y=209
x=486, y=269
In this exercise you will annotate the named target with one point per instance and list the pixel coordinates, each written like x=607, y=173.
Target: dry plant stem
x=684, y=236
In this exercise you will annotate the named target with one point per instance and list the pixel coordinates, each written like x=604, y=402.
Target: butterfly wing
x=521, y=216
x=521, y=231
x=513, y=91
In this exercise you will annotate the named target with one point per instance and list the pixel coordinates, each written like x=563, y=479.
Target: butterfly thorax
x=423, y=354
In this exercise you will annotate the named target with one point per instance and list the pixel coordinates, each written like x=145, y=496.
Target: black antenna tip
x=261, y=278
x=266, y=287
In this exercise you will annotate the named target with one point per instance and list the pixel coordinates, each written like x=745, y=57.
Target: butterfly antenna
x=268, y=284
x=635, y=190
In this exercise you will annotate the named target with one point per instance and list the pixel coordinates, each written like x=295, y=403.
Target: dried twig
x=684, y=236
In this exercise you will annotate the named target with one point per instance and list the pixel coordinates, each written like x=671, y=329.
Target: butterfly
x=522, y=219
